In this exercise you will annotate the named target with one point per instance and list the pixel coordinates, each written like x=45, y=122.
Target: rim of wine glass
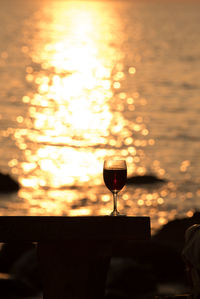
x=114, y=159
x=106, y=161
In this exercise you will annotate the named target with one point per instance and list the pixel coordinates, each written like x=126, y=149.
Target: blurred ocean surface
x=81, y=81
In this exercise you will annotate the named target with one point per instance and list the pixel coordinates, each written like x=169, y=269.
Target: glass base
x=115, y=213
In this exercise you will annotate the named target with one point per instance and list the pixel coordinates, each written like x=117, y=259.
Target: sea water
x=82, y=81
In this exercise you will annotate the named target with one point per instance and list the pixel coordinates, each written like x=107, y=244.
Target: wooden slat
x=49, y=228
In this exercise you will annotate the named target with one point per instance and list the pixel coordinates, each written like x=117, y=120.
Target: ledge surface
x=54, y=228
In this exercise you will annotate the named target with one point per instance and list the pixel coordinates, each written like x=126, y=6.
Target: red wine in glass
x=115, y=175
x=115, y=179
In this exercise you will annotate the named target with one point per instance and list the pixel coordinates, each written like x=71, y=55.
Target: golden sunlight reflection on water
x=77, y=114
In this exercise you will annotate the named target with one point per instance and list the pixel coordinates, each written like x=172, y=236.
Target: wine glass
x=115, y=175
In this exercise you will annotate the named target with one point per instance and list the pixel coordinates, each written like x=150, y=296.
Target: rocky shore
x=145, y=180
x=8, y=184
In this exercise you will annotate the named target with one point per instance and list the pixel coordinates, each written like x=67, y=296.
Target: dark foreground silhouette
x=149, y=264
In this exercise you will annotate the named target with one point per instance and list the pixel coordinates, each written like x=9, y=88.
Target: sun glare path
x=75, y=118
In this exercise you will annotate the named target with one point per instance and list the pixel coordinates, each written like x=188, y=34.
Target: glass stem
x=115, y=202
